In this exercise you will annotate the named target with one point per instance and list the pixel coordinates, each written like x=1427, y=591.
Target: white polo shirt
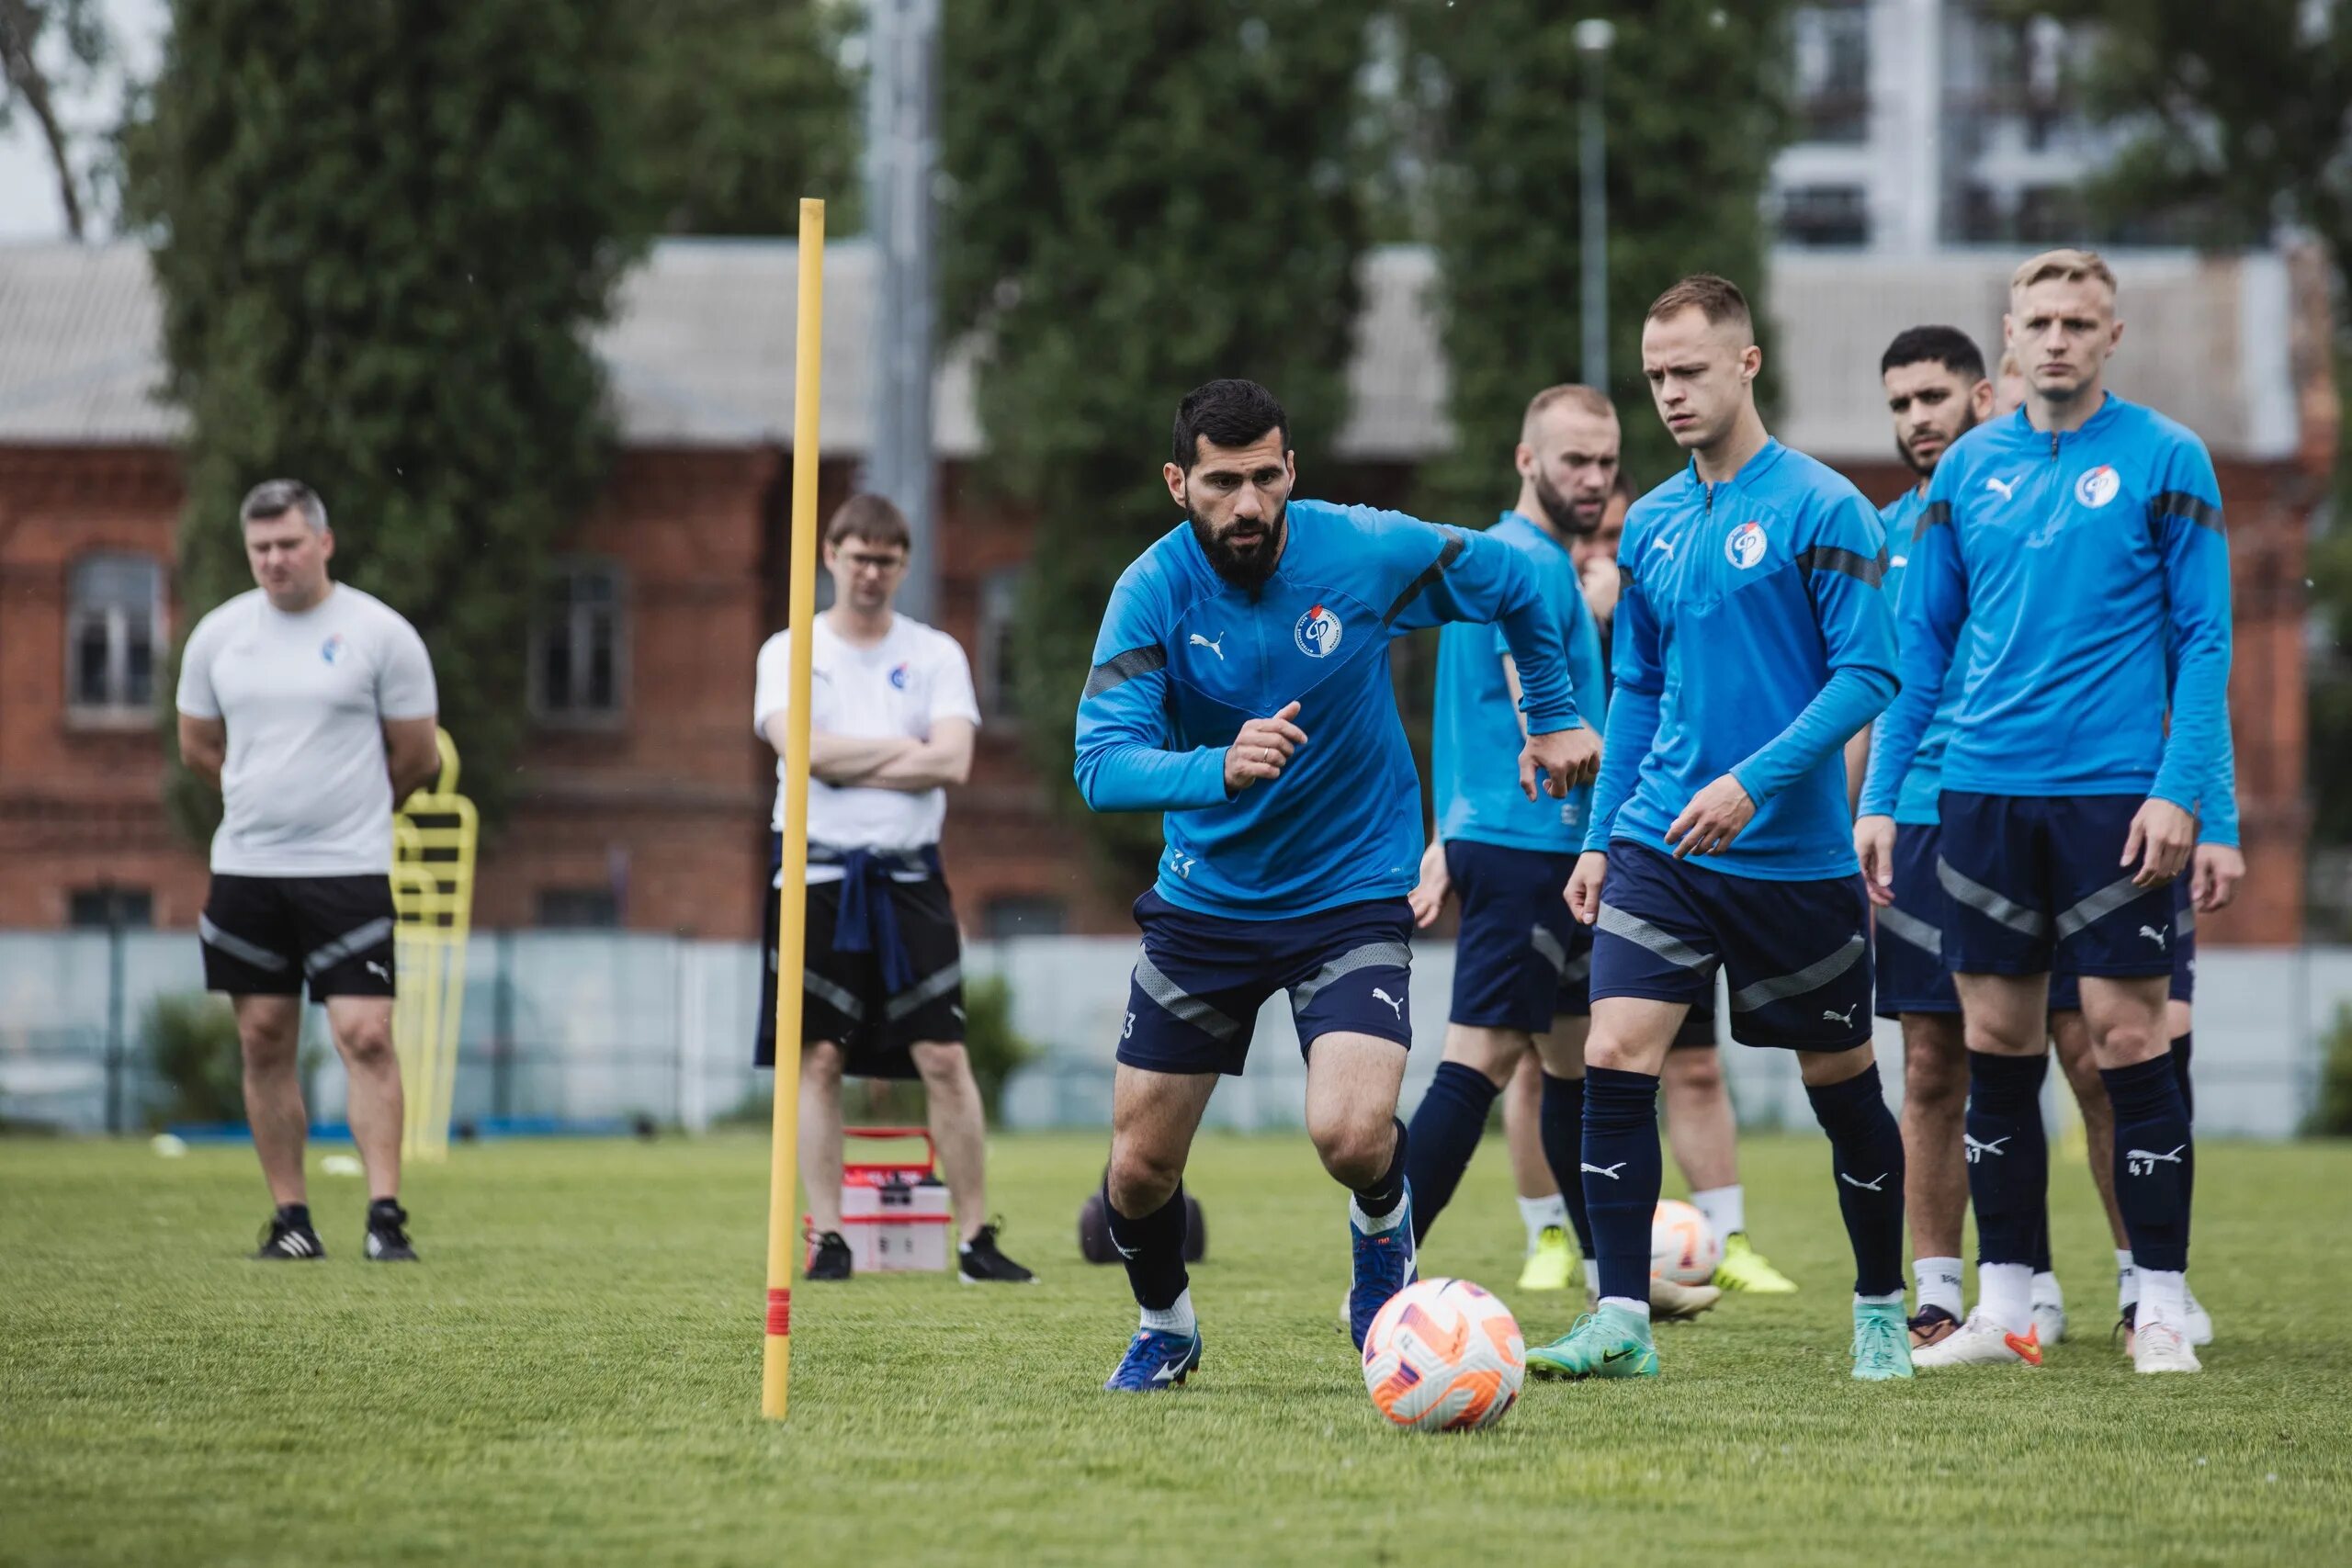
x=304, y=788
x=902, y=685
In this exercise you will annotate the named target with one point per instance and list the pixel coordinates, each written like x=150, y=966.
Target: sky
x=29, y=210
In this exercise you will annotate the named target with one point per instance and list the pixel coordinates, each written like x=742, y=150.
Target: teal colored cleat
x=1881, y=1342
x=1610, y=1343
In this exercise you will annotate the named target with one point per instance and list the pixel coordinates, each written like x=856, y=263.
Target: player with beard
x=1241, y=687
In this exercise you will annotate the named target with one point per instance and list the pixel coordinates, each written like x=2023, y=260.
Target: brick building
x=645, y=794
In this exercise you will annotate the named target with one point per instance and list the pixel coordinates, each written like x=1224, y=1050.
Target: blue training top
x=1476, y=722
x=1185, y=657
x=1751, y=640
x=1917, y=805
x=2082, y=581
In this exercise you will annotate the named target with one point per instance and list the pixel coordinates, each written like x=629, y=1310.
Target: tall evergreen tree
x=1145, y=195
x=1695, y=108
x=383, y=227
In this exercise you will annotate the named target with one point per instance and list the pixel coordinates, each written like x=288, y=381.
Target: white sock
x=1629, y=1305
x=1592, y=1276
x=1370, y=1226
x=1540, y=1214
x=1176, y=1319
x=2004, y=1294
x=1725, y=1208
x=2046, y=1292
x=1939, y=1284
x=2164, y=1298
x=2127, y=1280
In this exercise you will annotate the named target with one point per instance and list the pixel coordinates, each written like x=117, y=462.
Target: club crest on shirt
x=1317, y=633
x=899, y=678
x=1744, y=545
x=2097, y=487
x=332, y=649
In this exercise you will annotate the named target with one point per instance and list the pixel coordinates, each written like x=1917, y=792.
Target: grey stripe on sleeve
x=1121, y=668
x=1430, y=573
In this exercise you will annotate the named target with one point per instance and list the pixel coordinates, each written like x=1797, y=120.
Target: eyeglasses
x=856, y=561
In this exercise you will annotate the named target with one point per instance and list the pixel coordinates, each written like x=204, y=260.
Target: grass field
x=573, y=1374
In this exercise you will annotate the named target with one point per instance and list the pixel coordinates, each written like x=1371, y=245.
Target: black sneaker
x=830, y=1259
x=387, y=1234
x=979, y=1262
x=288, y=1238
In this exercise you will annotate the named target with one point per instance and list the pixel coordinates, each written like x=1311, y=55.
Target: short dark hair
x=1946, y=346
x=1228, y=413
x=870, y=519
x=276, y=498
x=1717, y=298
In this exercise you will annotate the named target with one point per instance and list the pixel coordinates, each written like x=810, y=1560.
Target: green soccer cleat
x=1744, y=1269
x=1553, y=1264
x=1610, y=1343
x=1881, y=1342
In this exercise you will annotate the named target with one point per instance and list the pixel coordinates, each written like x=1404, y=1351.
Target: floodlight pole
x=901, y=160
x=1593, y=37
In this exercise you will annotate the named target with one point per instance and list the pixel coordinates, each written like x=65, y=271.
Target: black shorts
x=263, y=936
x=843, y=999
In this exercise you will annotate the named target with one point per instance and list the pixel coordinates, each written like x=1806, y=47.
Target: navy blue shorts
x=1796, y=955
x=1521, y=957
x=2036, y=885
x=2066, y=991
x=1201, y=980
x=1911, y=972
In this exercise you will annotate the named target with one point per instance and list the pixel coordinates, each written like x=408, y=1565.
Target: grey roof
x=700, y=348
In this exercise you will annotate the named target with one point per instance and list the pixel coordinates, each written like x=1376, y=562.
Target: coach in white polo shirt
x=892, y=723
x=311, y=705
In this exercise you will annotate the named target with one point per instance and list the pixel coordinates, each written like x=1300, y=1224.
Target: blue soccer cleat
x=1156, y=1360
x=1386, y=1262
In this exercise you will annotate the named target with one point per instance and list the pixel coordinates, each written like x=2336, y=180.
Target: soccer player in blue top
x=1520, y=959
x=1752, y=642
x=1937, y=391
x=2075, y=548
x=1240, y=686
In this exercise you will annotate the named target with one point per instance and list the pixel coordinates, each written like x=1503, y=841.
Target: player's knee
x=821, y=1067
x=1141, y=1179
x=366, y=1046
x=1934, y=1076
x=1699, y=1072
x=1355, y=1151
x=946, y=1067
x=2127, y=1045
x=268, y=1053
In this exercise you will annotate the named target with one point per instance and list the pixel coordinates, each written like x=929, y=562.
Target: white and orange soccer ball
x=1443, y=1356
x=1683, y=1245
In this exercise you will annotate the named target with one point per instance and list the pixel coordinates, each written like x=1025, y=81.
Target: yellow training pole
x=783, y=1150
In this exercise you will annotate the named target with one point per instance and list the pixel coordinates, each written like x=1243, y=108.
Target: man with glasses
x=892, y=720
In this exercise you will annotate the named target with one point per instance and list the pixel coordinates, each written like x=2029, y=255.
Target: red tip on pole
x=779, y=1312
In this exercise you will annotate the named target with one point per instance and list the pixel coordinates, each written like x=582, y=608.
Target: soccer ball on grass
x=1443, y=1356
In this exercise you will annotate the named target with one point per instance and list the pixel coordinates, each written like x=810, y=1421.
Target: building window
x=579, y=908
x=1000, y=608
x=579, y=646
x=1825, y=216
x=1023, y=914
x=114, y=620
x=103, y=909
x=1833, y=72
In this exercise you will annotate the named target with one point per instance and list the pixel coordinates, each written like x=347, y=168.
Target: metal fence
x=583, y=1029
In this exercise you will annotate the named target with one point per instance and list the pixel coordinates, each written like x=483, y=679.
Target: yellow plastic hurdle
x=434, y=836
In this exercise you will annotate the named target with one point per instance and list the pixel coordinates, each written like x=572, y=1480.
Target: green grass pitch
x=572, y=1376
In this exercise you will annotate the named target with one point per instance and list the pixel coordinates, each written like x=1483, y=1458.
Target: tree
x=1695, y=110
x=743, y=106
x=1144, y=195
x=382, y=228
x=33, y=80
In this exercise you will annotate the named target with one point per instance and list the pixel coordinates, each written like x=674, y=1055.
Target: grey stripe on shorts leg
x=1548, y=947
x=1371, y=955
x=237, y=947
x=2099, y=905
x=930, y=987
x=1633, y=929
x=1812, y=977
x=1181, y=1004
x=1991, y=905
x=835, y=996
x=350, y=942
x=1913, y=929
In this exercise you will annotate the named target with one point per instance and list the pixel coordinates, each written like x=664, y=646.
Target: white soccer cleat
x=2050, y=1322
x=1980, y=1342
x=2162, y=1347
x=1669, y=1299
x=2198, y=1323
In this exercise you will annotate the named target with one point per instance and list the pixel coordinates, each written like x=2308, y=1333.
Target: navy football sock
x=2154, y=1162
x=1866, y=1150
x=1620, y=1167
x=1444, y=1135
x=1153, y=1248
x=2008, y=1155
x=2182, y=1044
x=2042, y=1264
x=1380, y=1199
x=1563, y=1125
